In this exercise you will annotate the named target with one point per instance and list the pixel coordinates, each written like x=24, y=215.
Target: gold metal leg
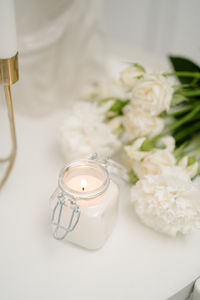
x=9, y=75
x=11, y=158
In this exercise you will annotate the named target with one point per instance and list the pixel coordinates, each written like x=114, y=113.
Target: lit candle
x=96, y=196
x=8, y=37
x=83, y=183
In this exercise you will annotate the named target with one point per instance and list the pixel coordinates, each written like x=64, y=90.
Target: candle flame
x=83, y=184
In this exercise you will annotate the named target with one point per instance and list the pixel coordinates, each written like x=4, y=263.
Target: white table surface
x=135, y=263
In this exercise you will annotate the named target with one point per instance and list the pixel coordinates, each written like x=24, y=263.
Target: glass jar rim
x=82, y=195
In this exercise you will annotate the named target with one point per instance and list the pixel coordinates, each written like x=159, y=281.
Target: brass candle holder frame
x=9, y=75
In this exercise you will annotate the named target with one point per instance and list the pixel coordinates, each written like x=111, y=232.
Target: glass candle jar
x=84, y=205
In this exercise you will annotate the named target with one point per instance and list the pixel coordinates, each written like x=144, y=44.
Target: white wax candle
x=8, y=37
x=97, y=219
x=95, y=197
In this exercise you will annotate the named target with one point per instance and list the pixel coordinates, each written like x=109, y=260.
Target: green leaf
x=190, y=92
x=147, y=145
x=177, y=98
x=130, y=142
x=138, y=66
x=191, y=160
x=186, y=65
x=133, y=178
x=117, y=107
x=178, y=153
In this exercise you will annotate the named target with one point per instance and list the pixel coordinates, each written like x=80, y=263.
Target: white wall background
x=158, y=26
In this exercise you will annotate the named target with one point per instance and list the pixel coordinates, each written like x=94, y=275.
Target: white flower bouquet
x=156, y=124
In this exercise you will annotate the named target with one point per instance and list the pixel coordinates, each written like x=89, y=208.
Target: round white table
x=135, y=262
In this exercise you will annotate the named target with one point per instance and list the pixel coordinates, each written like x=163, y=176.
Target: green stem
x=180, y=122
x=195, y=92
x=197, y=151
x=177, y=124
x=187, y=132
x=179, y=86
x=187, y=148
x=180, y=149
x=179, y=112
x=189, y=152
x=182, y=109
x=184, y=74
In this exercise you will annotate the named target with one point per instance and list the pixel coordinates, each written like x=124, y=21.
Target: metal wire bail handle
x=71, y=203
x=114, y=168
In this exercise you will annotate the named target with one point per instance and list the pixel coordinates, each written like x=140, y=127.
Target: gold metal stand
x=9, y=75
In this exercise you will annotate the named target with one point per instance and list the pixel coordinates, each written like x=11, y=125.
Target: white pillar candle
x=97, y=219
x=97, y=198
x=8, y=37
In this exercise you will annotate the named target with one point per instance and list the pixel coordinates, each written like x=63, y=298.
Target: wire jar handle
x=64, y=201
x=114, y=168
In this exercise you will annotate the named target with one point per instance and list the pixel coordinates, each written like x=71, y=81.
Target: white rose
x=138, y=123
x=129, y=76
x=192, y=169
x=168, y=202
x=153, y=163
x=152, y=93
